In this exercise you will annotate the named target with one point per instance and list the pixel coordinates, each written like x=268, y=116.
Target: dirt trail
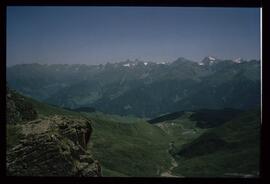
x=168, y=173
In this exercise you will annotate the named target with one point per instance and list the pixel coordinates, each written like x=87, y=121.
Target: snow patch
x=238, y=60
x=126, y=65
x=162, y=63
x=211, y=58
x=145, y=63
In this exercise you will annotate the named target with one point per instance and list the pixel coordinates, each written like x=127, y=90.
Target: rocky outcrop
x=53, y=146
x=18, y=109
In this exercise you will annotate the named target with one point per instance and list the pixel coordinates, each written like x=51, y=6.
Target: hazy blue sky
x=94, y=35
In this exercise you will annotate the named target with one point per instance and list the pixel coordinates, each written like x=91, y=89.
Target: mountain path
x=174, y=164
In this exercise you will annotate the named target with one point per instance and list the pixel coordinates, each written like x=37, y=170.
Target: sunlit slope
x=180, y=130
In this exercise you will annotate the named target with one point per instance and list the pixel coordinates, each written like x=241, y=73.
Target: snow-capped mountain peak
x=208, y=60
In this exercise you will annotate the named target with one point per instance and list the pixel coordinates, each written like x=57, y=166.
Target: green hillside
x=175, y=145
x=132, y=149
x=180, y=130
x=229, y=150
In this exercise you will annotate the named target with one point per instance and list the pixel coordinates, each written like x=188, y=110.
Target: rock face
x=18, y=109
x=53, y=146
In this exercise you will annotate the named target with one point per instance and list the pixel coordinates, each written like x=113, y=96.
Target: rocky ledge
x=53, y=146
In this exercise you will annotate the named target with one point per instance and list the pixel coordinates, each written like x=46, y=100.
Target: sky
x=97, y=35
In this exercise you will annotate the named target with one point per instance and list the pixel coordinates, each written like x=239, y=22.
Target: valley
x=179, y=119
x=129, y=146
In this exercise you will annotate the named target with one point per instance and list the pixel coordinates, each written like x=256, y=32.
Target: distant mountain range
x=140, y=88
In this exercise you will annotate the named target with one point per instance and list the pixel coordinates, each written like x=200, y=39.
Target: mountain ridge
x=118, y=89
x=237, y=59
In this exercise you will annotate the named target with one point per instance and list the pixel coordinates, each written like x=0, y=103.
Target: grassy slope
x=132, y=149
x=181, y=130
x=128, y=146
x=240, y=156
x=48, y=110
